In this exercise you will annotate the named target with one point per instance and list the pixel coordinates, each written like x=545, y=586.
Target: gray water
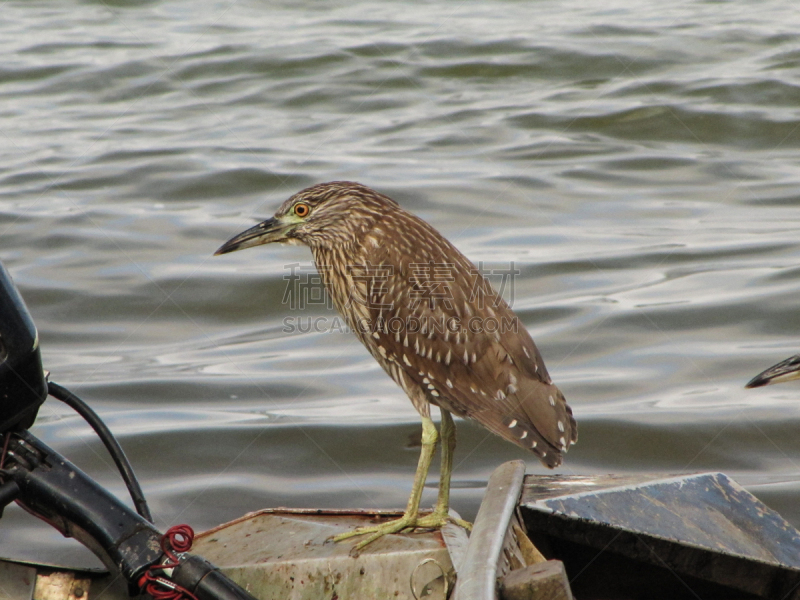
x=637, y=164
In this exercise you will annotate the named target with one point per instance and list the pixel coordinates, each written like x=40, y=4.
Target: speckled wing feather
x=493, y=374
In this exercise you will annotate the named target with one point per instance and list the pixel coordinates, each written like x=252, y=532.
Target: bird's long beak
x=266, y=232
x=787, y=370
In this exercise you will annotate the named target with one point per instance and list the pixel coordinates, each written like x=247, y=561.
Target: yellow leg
x=440, y=514
x=430, y=438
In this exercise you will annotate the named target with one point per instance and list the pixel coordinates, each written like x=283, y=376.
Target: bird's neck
x=340, y=268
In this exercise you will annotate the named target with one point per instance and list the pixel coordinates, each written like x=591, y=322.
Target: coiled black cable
x=110, y=442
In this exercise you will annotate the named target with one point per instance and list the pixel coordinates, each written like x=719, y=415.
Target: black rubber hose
x=207, y=582
x=110, y=442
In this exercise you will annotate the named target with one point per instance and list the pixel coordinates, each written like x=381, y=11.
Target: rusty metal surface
x=456, y=540
x=62, y=585
x=285, y=553
x=28, y=581
x=16, y=581
x=482, y=564
x=541, y=581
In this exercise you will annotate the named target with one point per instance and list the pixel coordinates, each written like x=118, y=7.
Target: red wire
x=179, y=539
x=6, y=439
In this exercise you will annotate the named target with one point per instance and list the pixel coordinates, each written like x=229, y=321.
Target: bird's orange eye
x=301, y=209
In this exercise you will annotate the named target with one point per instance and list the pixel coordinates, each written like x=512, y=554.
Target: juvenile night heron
x=786, y=370
x=431, y=320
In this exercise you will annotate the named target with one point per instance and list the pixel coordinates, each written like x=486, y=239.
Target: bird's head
x=323, y=215
x=787, y=370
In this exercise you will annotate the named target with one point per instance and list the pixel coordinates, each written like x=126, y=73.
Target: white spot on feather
x=405, y=360
x=512, y=424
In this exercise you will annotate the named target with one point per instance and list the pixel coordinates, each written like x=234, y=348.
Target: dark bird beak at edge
x=266, y=232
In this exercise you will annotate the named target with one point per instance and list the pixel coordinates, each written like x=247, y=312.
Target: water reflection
x=636, y=163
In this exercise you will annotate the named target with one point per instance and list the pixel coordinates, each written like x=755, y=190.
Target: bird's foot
x=407, y=521
x=434, y=520
x=438, y=519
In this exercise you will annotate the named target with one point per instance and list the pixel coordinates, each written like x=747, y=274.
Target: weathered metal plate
x=540, y=581
x=16, y=581
x=28, y=582
x=707, y=510
x=284, y=553
x=485, y=560
x=456, y=539
x=705, y=525
x=541, y=487
x=62, y=585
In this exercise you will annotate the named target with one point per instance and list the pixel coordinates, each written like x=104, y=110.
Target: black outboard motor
x=22, y=383
x=52, y=488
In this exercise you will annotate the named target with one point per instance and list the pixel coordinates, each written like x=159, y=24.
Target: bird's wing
x=431, y=328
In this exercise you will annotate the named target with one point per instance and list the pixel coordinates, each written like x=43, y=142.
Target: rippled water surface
x=635, y=163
